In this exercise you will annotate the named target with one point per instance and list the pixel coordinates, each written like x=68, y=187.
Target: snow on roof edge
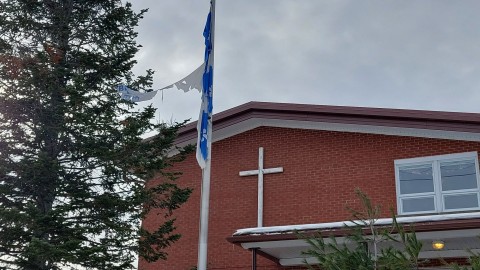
x=340, y=224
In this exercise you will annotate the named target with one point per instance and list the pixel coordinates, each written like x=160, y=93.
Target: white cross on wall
x=260, y=172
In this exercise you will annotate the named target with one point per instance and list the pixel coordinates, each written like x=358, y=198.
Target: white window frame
x=437, y=193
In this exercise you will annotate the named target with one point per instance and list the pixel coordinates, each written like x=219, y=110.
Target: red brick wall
x=321, y=171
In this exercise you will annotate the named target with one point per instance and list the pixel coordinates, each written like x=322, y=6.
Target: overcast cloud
x=415, y=54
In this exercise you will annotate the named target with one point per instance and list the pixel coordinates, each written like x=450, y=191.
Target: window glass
x=438, y=183
x=460, y=201
x=423, y=204
x=458, y=175
x=417, y=179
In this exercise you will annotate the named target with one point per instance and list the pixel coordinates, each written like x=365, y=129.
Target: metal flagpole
x=204, y=207
x=205, y=192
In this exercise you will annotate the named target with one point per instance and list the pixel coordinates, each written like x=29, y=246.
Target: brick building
x=423, y=164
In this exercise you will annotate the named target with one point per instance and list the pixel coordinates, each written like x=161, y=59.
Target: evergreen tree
x=73, y=164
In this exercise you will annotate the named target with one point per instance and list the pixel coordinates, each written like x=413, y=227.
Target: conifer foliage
x=363, y=247
x=73, y=164
x=367, y=246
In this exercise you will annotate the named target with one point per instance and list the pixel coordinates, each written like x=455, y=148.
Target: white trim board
x=383, y=130
x=252, y=123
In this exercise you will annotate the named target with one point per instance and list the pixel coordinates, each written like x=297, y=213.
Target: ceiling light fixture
x=438, y=244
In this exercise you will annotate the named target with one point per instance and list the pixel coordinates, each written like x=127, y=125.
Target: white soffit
x=457, y=242
x=370, y=129
x=252, y=123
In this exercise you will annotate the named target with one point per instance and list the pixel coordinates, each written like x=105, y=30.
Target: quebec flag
x=204, y=125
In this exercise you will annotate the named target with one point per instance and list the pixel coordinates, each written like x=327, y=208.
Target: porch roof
x=283, y=244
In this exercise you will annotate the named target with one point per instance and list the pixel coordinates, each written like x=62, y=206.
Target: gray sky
x=415, y=54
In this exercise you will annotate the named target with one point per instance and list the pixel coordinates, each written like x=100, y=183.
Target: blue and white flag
x=204, y=125
x=134, y=96
x=192, y=81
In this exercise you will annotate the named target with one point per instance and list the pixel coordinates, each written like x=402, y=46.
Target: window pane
x=416, y=179
x=461, y=201
x=418, y=204
x=458, y=175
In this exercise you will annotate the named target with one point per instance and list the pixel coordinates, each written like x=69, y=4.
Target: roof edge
x=444, y=225
x=435, y=120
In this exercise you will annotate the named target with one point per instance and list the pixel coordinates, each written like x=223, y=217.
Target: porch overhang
x=285, y=246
